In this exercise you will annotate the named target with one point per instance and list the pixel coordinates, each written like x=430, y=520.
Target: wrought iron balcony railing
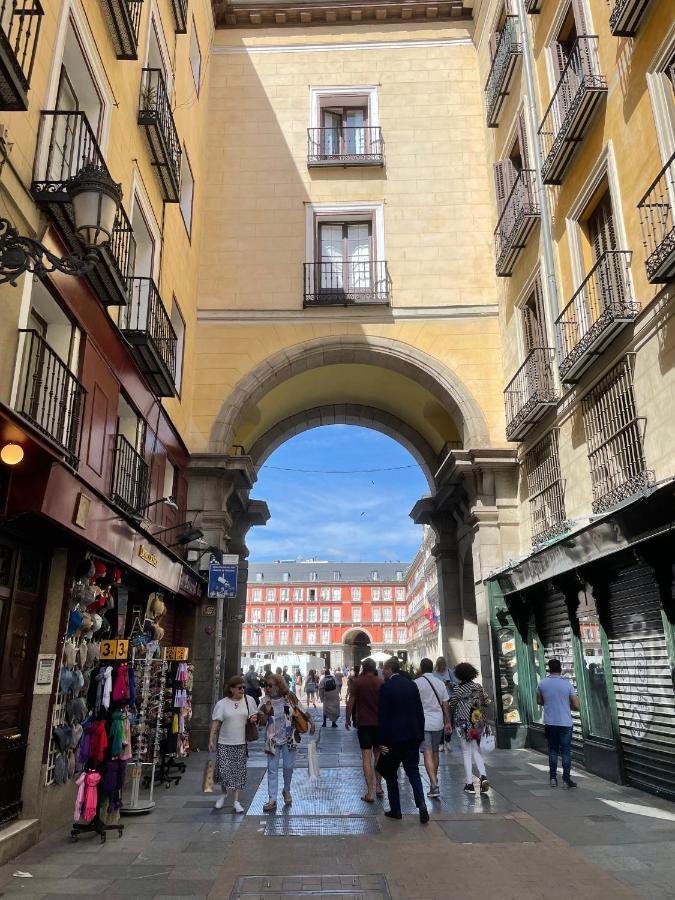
x=657, y=218
x=533, y=6
x=625, y=16
x=146, y=325
x=577, y=94
x=155, y=115
x=530, y=393
x=602, y=307
x=66, y=144
x=50, y=397
x=545, y=490
x=20, y=22
x=517, y=220
x=124, y=17
x=180, y=14
x=508, y=49
x=346, y=283
x=346, y=146
x=131, y=481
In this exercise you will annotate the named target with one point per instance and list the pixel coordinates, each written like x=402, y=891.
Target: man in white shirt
x=434, y=696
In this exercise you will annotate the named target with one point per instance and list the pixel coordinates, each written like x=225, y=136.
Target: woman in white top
x=229, y=719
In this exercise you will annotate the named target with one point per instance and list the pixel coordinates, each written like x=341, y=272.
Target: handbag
x=300, y=720
x=487, y=741
x=251, y=729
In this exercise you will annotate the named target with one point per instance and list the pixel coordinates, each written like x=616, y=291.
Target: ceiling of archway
x=355, y=383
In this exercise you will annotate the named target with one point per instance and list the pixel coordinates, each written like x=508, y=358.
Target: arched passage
x=357, y=643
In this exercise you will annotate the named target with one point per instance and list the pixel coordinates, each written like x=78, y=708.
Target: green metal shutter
x=643, y=680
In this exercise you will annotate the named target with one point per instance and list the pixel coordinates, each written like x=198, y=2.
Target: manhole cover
x=300, y=826
x=287, y=887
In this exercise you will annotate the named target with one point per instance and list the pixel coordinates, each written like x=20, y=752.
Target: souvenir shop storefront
x=601, y=600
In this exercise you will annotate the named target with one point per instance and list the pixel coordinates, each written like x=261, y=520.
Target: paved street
x=523, y=840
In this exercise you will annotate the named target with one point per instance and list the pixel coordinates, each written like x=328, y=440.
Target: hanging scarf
x=120, y=692
x=103, y=689
x=87, y=796
x=113, y=783
x=116, y=736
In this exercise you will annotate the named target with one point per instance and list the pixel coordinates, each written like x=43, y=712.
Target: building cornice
x=284, y=13
x=350, y=314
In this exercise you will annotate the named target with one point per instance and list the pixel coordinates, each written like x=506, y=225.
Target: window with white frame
x=269, y=638
x=311, y=636
x=356, y=614
x=386, y=593
x=344, y=124
x=195, y=57
x=399, y=575
x=298, y=615
x=283, y=615
x=297, y=594
x=325, y=636
x=312, y=614
x=336, y=594
x=178, y=325
x=257, y=595
x=258, y=576
x=323, y=593
x=375, y=575
x=400, y=593
x=286, y=576
x=337, y=614
x=377, y=614
x=337, y=576
x=313, y=576
x=269, y=615
x=375, y=594
x=387, y=614
x=297, y=636
x=284, y=594
x=402, y=635
x=356, y=593
x=311, y=595
x=400, y=614
x=388, y=635
x=283, y=637
x=271, y=595
x=187, y=190
x=255, y=616
x=325, y=614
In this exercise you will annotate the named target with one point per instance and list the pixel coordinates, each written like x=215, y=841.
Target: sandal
x=368, y=799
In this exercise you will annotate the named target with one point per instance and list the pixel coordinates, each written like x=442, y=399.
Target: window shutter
x=533, y=318
x=494, y=41
x=505, y=177
x=522, y=139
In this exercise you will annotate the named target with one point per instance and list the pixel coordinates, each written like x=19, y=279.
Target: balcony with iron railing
x=507, y=51
x=657, y=218
x=123, y=18
x=20, y=22
x=347, y=283
x=180, y=15
x=517, y=220
x=530, y=393
x=131, y=477
x=575, y=99
x=146, y=325
x=49, y=395
x=598, y=311
x=625, y=16
x=345, y=146
x=66, y=145
x=155, y=115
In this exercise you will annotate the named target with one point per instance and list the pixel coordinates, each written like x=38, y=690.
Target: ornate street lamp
x=95, y=199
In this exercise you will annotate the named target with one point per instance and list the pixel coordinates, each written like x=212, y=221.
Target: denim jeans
x=287, y=758
x=559, y=739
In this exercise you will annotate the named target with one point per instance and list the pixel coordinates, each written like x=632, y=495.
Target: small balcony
x=155, y=116
x=658, y=225
x=20, y=22
x=501, y=70
x=534, y=6
x=577, y=94
x=180, y=15
x=517, y=220
x=123, y=17
x=49, y=396
x=147, y=327
x=600, y=309
x=346, y=146
x=66, y=144
x=131, y=479
x=347, y=283
x=530, y=393
x=625, y=17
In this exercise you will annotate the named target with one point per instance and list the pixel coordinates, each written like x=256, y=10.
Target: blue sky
x=356, y=517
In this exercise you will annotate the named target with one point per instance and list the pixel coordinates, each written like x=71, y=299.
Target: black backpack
x=329, y=684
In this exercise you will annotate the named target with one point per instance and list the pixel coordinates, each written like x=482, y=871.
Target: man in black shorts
x=364, y=695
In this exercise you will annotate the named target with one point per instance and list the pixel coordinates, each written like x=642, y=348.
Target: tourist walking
x=380, y=670
x=311, y=687
x=228, y=725
x=447, y=676
x=400, y=724
x=434, y=696
x=558, y=697
x=252, y=684
x=330, y=698
x=339, y=677
x=277, y=712
x=362, y=697
x=468, y=708
x=353, y=674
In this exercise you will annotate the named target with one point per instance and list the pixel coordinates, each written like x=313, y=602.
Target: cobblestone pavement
x=522, y=840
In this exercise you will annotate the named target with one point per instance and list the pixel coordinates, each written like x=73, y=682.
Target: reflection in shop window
x=599, y=715
x=507, y=666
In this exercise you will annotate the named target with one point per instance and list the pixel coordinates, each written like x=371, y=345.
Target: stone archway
x=357, y=644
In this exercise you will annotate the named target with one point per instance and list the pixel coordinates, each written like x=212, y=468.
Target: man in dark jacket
x=401, y=731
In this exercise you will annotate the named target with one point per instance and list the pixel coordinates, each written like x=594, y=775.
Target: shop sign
x=82, y=506
x=189, y=584
x=208, y=610
x=114, y=650
x=176, y=654
x=223, y=578
x=148, y=557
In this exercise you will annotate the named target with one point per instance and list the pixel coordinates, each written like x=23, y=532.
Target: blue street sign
x=222, y=580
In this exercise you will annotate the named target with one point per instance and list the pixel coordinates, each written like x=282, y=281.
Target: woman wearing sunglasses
x=229, y=719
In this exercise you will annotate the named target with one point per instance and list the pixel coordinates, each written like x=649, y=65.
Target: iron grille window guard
x=614, y=435
x=20, y=22
x=545, y=490
x=598, y=310
x=50, y=397
x=578, y=90
x=130, y=477
x=146, y=324
x=180, y=8
x=520, y=213
x=530, y=393
x=347, y=145
x=66, y=145
x=497, y=85
x=625, y=17
x=156, y=116
x=346, y=283
x=124, y=17
x=658, y=225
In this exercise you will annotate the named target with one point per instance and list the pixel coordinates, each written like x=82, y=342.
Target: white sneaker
x=238, y=808
x=220, y=802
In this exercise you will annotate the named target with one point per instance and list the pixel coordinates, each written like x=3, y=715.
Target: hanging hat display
x=116, y=575
x=74, y=621
x=156, y=606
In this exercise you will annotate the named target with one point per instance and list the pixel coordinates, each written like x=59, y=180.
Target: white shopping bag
x=313, y=760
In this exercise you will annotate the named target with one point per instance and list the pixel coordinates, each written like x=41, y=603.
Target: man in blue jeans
x=558, y=697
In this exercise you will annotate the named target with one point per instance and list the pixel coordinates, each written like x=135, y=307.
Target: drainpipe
x=546, y=239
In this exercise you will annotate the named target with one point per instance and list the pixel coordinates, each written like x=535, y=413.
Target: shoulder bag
x=251, y=729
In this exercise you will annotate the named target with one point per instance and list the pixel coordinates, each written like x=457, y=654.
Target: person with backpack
x=434, y=697
x=330, y=698
x=252, y=684
x=311, y=686
x=468, y=708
